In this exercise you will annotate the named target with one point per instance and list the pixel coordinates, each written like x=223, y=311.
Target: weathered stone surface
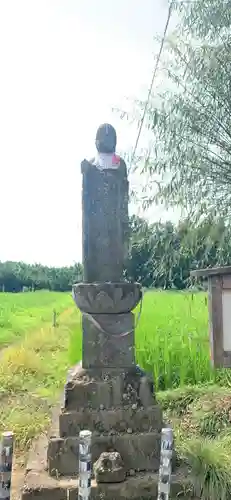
x=109, y=468
x=105, y=222
x=92, y=389
x=138, y=452
x=108, y=341
x=88, y=394
x=107, y=298
x=104, y=421
x=39, y=486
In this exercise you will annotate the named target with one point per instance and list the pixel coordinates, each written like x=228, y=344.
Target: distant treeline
x=18, y=276
x=161, y=255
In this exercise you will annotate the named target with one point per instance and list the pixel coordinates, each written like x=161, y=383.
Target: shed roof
x=211, y=271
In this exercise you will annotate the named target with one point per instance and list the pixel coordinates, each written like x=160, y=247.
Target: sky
x=64, y=65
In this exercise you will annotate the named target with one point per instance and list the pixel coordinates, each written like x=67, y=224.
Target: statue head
x=106, y=139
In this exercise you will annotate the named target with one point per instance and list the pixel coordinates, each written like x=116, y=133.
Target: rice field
x=172, y=340
x=22, y=313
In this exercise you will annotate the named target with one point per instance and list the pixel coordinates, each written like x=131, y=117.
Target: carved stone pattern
x=107, y=298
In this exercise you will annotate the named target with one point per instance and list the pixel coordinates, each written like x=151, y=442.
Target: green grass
x=201, y=418
x=32, y=374
x=172, y=340
x=23, y=312
x=210, y=468
x=33, y=367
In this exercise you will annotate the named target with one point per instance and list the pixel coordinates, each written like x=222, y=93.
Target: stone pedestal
x=107, y=393
x=121, y=411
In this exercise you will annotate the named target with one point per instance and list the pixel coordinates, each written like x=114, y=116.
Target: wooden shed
x=219, y=302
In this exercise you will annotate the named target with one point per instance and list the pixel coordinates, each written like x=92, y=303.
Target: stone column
x=108, y=324
x=104, y=222
x=105, y=300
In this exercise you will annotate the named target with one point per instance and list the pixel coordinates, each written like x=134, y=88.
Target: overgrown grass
x=32, y=374
x=21, y=313
x=201, y=420
x=210, y=468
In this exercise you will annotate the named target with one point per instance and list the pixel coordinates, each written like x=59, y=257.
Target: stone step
x=111, y=390
x=140, y=452
x=39, y=486
x=111, y=421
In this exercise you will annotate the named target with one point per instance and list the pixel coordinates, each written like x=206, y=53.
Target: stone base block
x=39, y=486
x=140, y=452
x=87, y=389
x=111, y=421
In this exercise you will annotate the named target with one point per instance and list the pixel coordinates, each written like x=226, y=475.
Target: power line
x=153, y=78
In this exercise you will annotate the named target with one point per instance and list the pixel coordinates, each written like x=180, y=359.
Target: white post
x=165, y=464
x=6, y=459
x=84, y=465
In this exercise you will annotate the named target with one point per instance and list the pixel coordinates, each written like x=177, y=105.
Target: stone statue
x=108, y=382
x=107, y=394
x=105, y=299
x=105, y=211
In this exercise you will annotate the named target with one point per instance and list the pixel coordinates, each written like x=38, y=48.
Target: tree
x=14, y=276
x=190, y=121
x=138, y=265
x=163, y=254
x=210, y=18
